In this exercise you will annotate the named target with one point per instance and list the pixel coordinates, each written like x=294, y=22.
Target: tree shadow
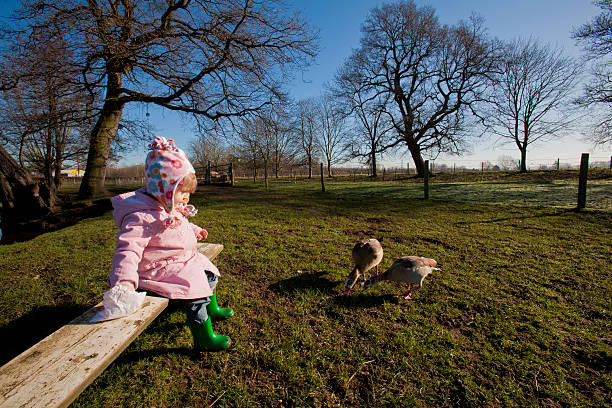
x=129, y=357
x=21, y=334
x=303, y=283
x=68, y=215
x=553, y=213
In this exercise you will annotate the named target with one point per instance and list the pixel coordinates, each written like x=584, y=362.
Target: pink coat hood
x=154, y=256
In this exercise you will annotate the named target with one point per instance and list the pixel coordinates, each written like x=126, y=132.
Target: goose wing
x=412, y=269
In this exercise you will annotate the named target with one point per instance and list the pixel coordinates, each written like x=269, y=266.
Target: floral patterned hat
x=165, y=168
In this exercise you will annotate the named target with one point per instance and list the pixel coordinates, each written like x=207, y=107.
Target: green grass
x=518, y=316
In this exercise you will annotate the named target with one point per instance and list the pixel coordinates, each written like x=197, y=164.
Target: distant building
x=72, y=173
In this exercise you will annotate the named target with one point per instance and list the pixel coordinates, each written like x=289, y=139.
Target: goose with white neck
x=366, y=255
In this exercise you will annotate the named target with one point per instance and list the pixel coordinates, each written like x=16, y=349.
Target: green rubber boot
x=204, y=338
x=215, y=311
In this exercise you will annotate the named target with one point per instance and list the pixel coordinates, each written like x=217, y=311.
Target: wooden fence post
x=322, y=180
x=582, y=183
x=266, y=174
x=426, y=179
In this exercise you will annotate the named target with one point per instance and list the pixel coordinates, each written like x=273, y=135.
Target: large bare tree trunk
x=373, y=162
x=101, y=139
x=309, y=166
x=523, y=159
x=417, y=157
x=20, y=195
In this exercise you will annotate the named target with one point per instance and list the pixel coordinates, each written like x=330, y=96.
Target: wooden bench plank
x=53, y=372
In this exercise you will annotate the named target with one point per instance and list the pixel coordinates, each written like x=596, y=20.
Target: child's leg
x=200, y=323
x=213, y=309
x=196, y=309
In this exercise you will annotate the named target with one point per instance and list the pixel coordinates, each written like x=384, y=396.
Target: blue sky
x=339, y=23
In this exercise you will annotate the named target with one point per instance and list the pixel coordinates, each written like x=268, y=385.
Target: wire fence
x=395, y=169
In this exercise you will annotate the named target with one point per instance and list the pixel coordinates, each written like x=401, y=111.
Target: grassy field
x=518, y=316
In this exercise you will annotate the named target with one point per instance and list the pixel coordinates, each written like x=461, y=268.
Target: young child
x=156, y=245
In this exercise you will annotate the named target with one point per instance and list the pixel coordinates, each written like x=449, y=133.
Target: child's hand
x=128, y=285
x=202, y=234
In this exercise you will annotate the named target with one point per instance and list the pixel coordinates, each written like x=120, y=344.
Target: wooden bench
x=53, y=372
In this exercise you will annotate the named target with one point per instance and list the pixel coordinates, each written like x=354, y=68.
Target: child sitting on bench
x=156, y=245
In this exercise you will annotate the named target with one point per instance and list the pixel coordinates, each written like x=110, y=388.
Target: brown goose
x=367, y=254
x=409, y=269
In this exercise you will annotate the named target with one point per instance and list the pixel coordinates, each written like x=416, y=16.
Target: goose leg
x=377, y=269
x=408, y=295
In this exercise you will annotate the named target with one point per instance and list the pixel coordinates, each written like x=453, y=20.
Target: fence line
x=394, y=170
x=390, y=171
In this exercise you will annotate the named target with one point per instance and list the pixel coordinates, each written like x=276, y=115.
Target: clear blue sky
x=339, y=23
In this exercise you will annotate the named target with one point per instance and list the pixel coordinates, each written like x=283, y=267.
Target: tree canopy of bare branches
x=434, y=74
x=368, y=107
x=333, y=132
x=207, y=147
x=307, y=128
x=596, y=37
x=215, y=60
x=43, y=116
x=530, y=102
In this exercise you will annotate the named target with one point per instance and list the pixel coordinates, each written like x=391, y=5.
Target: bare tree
x=333, y=134
x=530, y=102
x=507, y=162
x=208, y=147
x=307, y=130
x=369, y=108
x=213, y=59
x=248, y=140
x=284, y=148
x=596, y=37
x=435, y=75
x=43, y=115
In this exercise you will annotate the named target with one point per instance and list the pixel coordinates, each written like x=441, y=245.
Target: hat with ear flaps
x=165, y=168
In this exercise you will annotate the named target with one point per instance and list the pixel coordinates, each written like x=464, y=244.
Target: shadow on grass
x=554, y=213
x=305, y=282
x=127, y=358
x=70, y=214
x=21, y=334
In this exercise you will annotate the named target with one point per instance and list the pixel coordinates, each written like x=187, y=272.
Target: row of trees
x=417, y=85
x=72, y=67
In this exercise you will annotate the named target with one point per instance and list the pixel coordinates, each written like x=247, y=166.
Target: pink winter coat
x=154, y=257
